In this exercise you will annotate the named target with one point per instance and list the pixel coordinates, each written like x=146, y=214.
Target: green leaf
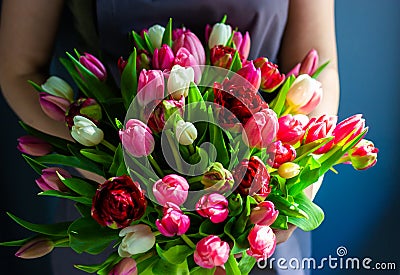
x=167, y=36
x=311, y=147
x=314, y=212
x=287, y=208
x=145, y=267
x=97, y=156
x=231, y=266
x=236, y=64
x=176, y=254
x=202, y=271
x=86, y=235
x=307, y=176
x=58, y=194
x=129, y=80
x=117, y=160
x=16, y=242
x=209, y=228
x=320, y=69
x=36, y=86
x=280, y=222
x=162, y=267
x=96, y=267
x=217, y=138
x=80, y=186
x=140, y=44
x=246, y=263
x=148, y=42
x=278, y=103
x=56, y=229
x=38, y=167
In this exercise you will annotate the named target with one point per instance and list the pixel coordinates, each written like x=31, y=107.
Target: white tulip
x=58, y=87
x=179, y=81
x=137, y=239
x=86, y=132
x=185, y=132
x=219, y=35
x=155, y=34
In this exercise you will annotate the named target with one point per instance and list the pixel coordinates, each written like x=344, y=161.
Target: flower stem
x=108, y=145
x=192, y=150
x=188, y=241
x=156, y=166
x=175, y=152
x=61, y=241
x=145, y=257
x=195, y=179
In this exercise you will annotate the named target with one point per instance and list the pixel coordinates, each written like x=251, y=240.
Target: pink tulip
x=304, y=95
x=174, y=222
x=364, y=155
x=319, y=128
x=163, y=58
x=291, y=128
x=264, y=213
x=242, y=44
x=171, y=188
x=271, y=78
x=185, y=59
x=211, y=251
x=94, y=65
x=348, y=129
x=261, y=129
x=262, y=242
x=150, y=86
x=248, y=74
x=213, y=206
x=33, y=146
x=310, y=63
x=35, y=248
x=127, y=266
x=188, y=40
x=137, y=138
x=50, y=180
x=53, y=106
x=280, y=153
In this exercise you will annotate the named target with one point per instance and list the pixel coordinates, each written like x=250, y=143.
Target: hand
x=284, y=235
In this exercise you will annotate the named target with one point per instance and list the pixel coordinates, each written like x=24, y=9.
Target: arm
x=28, y=30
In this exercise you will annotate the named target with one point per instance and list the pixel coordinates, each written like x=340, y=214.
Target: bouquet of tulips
x=198, y=170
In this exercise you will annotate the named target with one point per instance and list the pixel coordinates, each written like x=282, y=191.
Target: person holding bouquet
x=284, y=31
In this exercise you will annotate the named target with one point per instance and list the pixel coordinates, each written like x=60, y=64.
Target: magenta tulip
x=150, y=86
x=188, y=40
x=49, y=180
x=310, y=63
x=213, y=206
x=280, y=153
x=211, y=251
x=94, y=65
x=127, y=266
x=163, y=58
x=137, y=138
x=33, y=146
x=248, y=76
x=291, y=128
x=242, y=44
x=261, y=129
x=348, y=129
x=318, y=128
x=264, y=213
x=364, y=155
x=53, y=106
x=262, y=242
x=173, y=222
x=171, y=188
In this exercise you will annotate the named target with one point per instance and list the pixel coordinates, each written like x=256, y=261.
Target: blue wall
x=362, y=207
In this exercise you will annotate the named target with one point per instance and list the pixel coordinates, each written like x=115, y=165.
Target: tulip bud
x=94, y=66
x=171, y=188
x=262, y=242
x=137, y=138
x=179, y=81
x=348, y=129
x=156, y=33
x=310, y=63
x=33, y=146
x=163, y=58
x=264, y=213
x=271, y=78
x=50, y=179
x=86, y=132
x=222, y=56
x=127, y=266
x=218, y=177
x=86, y=107
x=364, y=155
x=213, y=206
x=288, y=170
x=291, y=128
x=136, y=239
x=188, y=40
x=35, y=248
x=304, y=95
x=261, y=129
x=211, y=251
x=248, y=76
x=185, y=132
x=219, y=35
x=174, y=222
x=242, y=44
x=121, y=64
x=58, y=87
x=150, y=86
x=54, y=106
x=318, y=128
x=280, y=153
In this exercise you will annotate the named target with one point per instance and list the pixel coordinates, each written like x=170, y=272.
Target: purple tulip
x=171, y=188
x=53, y=106
x=173, y=222
x=94, y=65
x=35, y=248
x=213, y=206
x=127, y=266
x=51, y=181
x=137, y=138
x=34, y=146
x=150, y=86
x=163, y=58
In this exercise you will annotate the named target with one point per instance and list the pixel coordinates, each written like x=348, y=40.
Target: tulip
x=310, y=63
x=185, y=59
x=261, y=129
x=156, y=33
x=218, y=177
x=94, y=65
x=121, y=64
x=264, y=214
x=58, y=87
x=188, y=40
x=162, y=112
x=86, y=107
x=364, y=155
x=137, y=138
x=50, y=179
x=171, y=188
x=304, y=95
x=163, y=58
x=242, y=44
x=262, y=242
x=35, y=248
x=211, y=251
x=219, y=35
x=291, y=128
x=127, y=266
x=248, y=76
x=54, y=106
x=348, y=129
x=222, y=56
x=86, y=132
x=136, y=239
x=179, y=81
x=271, y=78
x=185, y=132
x=280, y=153
x=173, y=222
x=150, y=86
x=33, y=146
x=288, y=170
x=318, y=128
x=213, y=206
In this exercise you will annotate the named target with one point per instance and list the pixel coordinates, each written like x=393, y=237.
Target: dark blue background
x=361, y=207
